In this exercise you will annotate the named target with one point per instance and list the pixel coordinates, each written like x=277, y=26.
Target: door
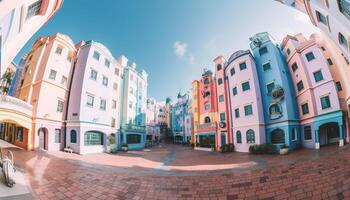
x=223, y=139
x=329, y=133
x=42, y=139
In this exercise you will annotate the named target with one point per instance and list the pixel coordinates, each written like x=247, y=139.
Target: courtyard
x=179, y=172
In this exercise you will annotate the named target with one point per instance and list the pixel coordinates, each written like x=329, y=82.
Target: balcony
x=11, y=103
x=133, y=128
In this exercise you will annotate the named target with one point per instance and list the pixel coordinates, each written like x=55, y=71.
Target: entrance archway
x=329, y=133
x=43, y=138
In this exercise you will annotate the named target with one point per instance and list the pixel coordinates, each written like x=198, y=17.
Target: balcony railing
x=206, y=125
x=133, y=128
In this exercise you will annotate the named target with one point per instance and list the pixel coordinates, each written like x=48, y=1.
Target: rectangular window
x=116, y=71
x=330, y=62
x=105, y=81
x=318, y=76
x=59, y=50
x=262, y=51
x=307, y=133
x=343, y=41
x=114, y=104
x=59, y=106
x=234, y=91
x=53, y=74
x=310, y=56
x=344, y=7
x=266, y=66
x=338, y=85
x=321, y=18
x=300, y=86
x=270, y=87
x=294, y=134
x=115, y=86
x=20, y=134
x=64, y=80
x=33, y=9
x=57, y=135
x=305, y=108
x=237, y=112
x=248, y=110
x=219, y=81
x=102, y=104
x=93, y=74
x=113, y=122
x=70, y=56
x=294, y=67
x=245, y=86
x=96, y=55
x=232, y=71
x=90, y=100
x=107, y=63
x=243, y=66
x=325, y=102
x=207, y=106
x=222, y=117
x=221, y=98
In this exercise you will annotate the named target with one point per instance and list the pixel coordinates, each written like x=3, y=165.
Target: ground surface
x=177, y=172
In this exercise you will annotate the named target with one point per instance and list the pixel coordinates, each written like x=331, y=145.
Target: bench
x=68, y=150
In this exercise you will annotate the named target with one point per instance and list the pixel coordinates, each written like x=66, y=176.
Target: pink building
x=245, y=102
x=19, y=20
x=319, y=109
x=46, y=87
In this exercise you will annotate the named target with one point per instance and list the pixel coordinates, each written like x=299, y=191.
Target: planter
x=284, y=151
x=125, y=149
x=114, y=148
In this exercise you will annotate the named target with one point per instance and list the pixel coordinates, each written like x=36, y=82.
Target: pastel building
x=133, y=106
x=278, y=97
x=178, y=113
x=7, y=78
x=93, y=108
x=18, y=78
x=245, y=101
x=224, y=135
x=188, y=124
x=321, y=119
x=19, y=20
x=152, y=124
x=46, y=87
x=195, y=108
x=331, y=16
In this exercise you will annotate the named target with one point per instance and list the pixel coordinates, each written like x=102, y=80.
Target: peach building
x=45, y=86
x=19, y=20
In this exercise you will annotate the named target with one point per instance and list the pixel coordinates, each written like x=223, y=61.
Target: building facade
x=179, y=111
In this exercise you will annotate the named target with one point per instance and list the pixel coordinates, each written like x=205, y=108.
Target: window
x=305, y=108
x=19, y=134
x=220, y=81
x=242, y=66
x=114, y=104
x=237, y=112
x=318, y=76
x=57, y=135
x=294, y=67
x=59, y=106
x=270, y=87
x=93, y=74
x=344, y=7
x=262, y=51
x=222, y=116
x=338, y=85
x=275, y=111
x=330, y=62
x=96, y=55
x=115, y=86
x=250, y=136
x=64, y=80
x=207, y=120
x=323, y=49
x=107, y=63
x=325, y=102
x=219, y=67
x=232, y=71
x=221, y=98
x=300, y=86
x=53, y=74
x=307, y=133
x=33, y=9
x=321, y=18
x=248, y=110
x=343, y=41
x=207, y=106
x=105, y=81
x=207, y=94
x=294, y=134
x=245, y=86
x=133, y=139
x=102, y=104
x=93, y=138
x=90, y=100
x=266, y=66
x=69, y=56
x=310, y=56
x=288, y=51
x=73, y=136
x=239, y=137
x=206, y=81
x=116, y=71
x=277, y=136
x=234, y=91
x=130, y=104
x=59, y=50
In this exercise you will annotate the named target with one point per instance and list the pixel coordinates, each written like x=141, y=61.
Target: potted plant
x=283, y=149
x=125, y=147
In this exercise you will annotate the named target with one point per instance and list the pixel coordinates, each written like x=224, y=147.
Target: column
x=341, y=135
x=317, y=143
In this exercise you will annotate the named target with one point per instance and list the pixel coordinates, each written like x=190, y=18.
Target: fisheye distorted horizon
x=173, y=40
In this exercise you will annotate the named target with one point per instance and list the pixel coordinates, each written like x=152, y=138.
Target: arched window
x=277, y=136
x=250, y=136
x=207, y=119
x=93, y=138
x=239, y=137
x=207, y=94
x=73, y=136
x=219, y=67
x=206, y=81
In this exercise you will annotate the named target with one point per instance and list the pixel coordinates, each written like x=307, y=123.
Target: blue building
x=278, y=97
x=178, y=116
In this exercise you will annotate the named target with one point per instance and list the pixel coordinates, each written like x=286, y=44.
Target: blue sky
x=173, y=40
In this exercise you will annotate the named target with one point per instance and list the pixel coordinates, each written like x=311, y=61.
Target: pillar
x=341, y=135
x=317, y=143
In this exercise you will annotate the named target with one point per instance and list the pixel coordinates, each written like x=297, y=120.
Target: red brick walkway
x=305, y=174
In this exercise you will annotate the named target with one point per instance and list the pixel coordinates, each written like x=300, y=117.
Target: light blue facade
x=17, y=78
x=278, y=98
x=178, y=115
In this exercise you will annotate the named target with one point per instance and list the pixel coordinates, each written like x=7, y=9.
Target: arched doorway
x=329, y=133
x=277, y=136
x=43, y=138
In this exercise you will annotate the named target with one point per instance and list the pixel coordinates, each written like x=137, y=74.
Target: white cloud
x=180, y=48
